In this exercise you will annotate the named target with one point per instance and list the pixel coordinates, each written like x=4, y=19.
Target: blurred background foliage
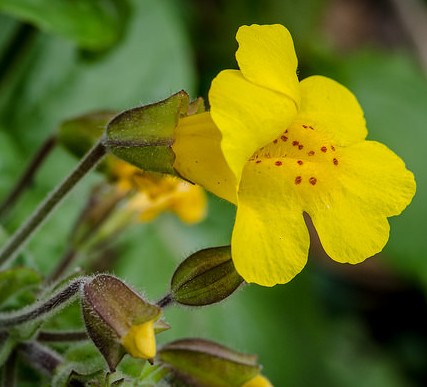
x=333, y=325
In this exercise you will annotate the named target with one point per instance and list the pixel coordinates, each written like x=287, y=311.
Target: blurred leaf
x=93, y=24
x=393, y=92
x=83, y=363
x=54, y=82
x=16, y=281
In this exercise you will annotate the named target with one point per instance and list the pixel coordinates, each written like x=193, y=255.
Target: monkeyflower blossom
x=279, y=148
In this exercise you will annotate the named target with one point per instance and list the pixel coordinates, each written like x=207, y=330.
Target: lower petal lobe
x=270, y=239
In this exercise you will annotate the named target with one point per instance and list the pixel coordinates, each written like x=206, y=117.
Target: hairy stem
x=59, y=337
x=18, y=240
x=165, y=301
x=40, y=309
x=27, y=177
x=40, y=357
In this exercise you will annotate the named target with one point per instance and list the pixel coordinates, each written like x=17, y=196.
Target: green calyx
x=143, y=136
x=205, y=277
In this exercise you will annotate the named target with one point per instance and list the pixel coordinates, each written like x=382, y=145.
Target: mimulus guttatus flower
x=279, y=148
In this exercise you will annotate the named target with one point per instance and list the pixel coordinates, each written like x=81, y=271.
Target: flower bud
x=143, y=136
x=205, y=277
x=118, y=320
x=205, y=363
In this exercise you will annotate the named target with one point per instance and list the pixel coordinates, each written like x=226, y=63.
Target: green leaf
x=92, y=24
x=16, y=283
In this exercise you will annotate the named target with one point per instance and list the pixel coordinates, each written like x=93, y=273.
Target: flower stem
x=17, y=241
x=59, y=337
x=165, y=301
x=40, y=357
x=28, y=175
x=38, y=310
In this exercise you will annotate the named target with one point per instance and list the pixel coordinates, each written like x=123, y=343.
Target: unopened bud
x=118, y=320
x=206, y=277
x=205, y=363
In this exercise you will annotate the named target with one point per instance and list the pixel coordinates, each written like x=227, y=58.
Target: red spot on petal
x=333, y=148
x=295, y=143
x=300, y=146
x=335, y=161
x=284, y=138
x=305, y=126
x=311, y=127
x=278, y=163
x=323, y=149
x=275, y=141
x=311, y=153
x=298, y=180
x=286, y=131
x=258, y=161
x=312, y=180
x=300, y=162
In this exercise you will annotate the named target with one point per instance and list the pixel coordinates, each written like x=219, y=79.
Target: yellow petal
x=270, y=239
x=189, y=203
x=140, y=341
x=199, y=158
x=349, y=233
x=258, y=381
x=266, y=57
x=377, y=177
x=331, y=109
x=248, y=116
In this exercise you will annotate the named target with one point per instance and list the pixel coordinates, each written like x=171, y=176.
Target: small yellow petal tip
x=140, y=341
x=258, y=381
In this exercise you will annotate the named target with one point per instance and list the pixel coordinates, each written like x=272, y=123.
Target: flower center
x=306, y=155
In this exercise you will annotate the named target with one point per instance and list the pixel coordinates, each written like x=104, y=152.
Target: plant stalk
x=28, y=175
x=21, y=236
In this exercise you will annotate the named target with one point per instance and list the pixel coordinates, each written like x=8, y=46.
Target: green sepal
x=143, y=136
x=205, y=363
x=205, y=277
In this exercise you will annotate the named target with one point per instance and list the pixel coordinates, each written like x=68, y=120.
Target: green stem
x=28, y=175
x=18, y=240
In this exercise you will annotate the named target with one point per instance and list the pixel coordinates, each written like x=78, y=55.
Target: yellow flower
x=258, y=381
x=279, y=148
x=140, y=340
x=155, y=193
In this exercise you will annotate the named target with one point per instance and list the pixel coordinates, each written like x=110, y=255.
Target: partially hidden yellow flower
x=140, y=340
x=258, y=381
x=279, y=148
x=154, y=193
